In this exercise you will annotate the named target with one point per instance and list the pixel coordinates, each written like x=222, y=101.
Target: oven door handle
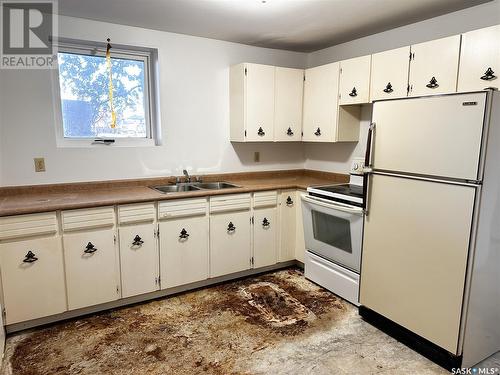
x=329, y=204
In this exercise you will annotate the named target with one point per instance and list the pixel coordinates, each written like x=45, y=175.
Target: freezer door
x=415, y=248
x=435, y=136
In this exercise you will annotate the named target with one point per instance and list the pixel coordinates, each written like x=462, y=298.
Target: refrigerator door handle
x=368, y=165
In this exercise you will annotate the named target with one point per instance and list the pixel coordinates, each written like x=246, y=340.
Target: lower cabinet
x=91, y=268
x=265, y=229
x=184, y=251
x=230, y=234
x=138, y=259
x=32, y=278
x=300, y=243
x=265, y=237
x=288, y=218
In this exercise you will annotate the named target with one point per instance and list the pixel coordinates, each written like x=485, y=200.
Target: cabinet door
x=389, y=74
x=288, y=104
x=265, y=249
x=300, y=243
x=434, y=66
x=91, y=268
x=480, y=59
x=259, y=102
x=355, y=80
x=321, y=90
x=183, y=251
x=229, y=242
x=138, y=259
x=288, y=222
x=33, y=285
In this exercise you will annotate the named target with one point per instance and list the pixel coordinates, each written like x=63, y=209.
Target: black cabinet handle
x=353, y=93
x=265, y=223
x=489, y=75
x=184, y=234
x=90, y=248
x=433, y=83
x=289, y=132
x=289, y=201
x=388, y=89
x=30, y=257
x=261, y=132
x=231, y=227
x=137, y=241
x=317, y=132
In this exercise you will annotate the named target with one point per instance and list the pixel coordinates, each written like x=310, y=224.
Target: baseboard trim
x=421, y=345
x=68, y=315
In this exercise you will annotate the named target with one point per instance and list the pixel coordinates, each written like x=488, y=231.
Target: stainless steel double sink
x=193, y=186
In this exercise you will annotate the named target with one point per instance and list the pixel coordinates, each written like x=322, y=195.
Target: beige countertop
x=44, y=198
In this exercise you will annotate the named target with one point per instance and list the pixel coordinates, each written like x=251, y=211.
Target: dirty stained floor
x=278, y=323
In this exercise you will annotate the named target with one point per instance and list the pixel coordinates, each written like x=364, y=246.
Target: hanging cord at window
x=111, y=106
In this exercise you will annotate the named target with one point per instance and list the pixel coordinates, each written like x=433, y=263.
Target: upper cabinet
x=434, y=67
x=321, y=89
x=389, y=74
x=480, y=59
x=355, y=80
x=289, y=89
x=252, y=102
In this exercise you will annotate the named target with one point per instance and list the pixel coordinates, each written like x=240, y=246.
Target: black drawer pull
x=317, y=132
x=265, y=223
x=230, y=227
x=388, y=89
x=30, y=257
x=261, y=132
x=433, y=83
x=137, y=241
x=289, y=132
x=289, y=201
x=184, y=234
x=353, y=93
x=90, y=248
x=489, y=75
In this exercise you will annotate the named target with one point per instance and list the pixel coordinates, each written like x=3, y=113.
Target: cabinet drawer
x=136, y=213
x=33, y=287
x=88, y=218
x=226, y=203
x=91, y=267
x=265, y=199
x=28, y=225
x=182, y=207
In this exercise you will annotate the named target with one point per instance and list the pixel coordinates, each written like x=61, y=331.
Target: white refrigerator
x=431, y=247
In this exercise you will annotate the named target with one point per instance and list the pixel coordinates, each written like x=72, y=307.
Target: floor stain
x=239, y=327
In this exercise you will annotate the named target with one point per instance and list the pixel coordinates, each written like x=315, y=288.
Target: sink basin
x=193, y=186
x=175, y=188
x=214, y=185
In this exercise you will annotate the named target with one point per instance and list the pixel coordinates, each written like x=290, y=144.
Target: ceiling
x=298, y=25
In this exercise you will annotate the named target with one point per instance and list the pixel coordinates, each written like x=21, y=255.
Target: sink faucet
x=188, y=178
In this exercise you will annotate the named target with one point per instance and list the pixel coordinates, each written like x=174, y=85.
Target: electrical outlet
x=256, y=156
x=39, y=164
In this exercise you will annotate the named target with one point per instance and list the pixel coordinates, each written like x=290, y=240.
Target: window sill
x=88, y=143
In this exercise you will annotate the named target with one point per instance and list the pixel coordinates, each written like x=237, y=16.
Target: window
x=83, y=86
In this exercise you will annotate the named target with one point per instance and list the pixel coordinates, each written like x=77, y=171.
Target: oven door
x=333, y=231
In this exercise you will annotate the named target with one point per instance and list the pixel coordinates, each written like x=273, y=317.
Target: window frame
x=149, y=57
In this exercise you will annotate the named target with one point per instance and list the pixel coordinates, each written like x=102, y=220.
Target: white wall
x=194, y=84
x=337, y=158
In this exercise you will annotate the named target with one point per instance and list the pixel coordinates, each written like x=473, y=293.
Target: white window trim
x=151, y=85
